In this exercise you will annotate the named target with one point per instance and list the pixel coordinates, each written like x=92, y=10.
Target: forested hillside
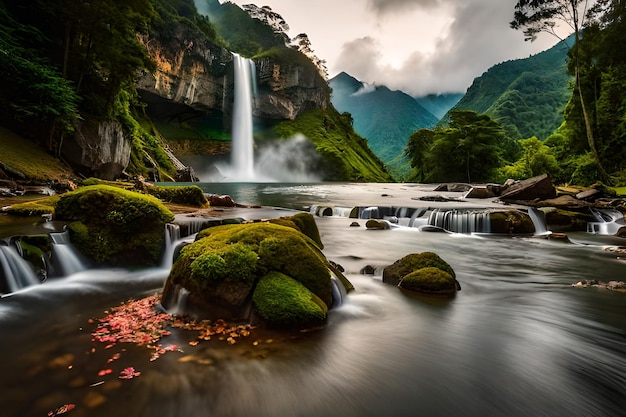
x=583, y=126
x=104, y=87
x=526, y=96
x=385, y=117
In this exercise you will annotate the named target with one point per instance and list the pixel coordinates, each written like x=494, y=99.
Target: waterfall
x=608, y=221
x=65, y=258
x=172, y=235
x=539, y=221
x=461, y=221
x=16, y=271
x=242, y=153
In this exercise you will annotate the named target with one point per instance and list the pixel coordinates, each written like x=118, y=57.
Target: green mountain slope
x=385, y=117
x=526, y=96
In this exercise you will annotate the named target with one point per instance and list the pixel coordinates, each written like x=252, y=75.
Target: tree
x=536, y=16
x=468, y=149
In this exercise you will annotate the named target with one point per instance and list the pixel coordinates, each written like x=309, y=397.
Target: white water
x=18, y=273
x=65, y=258
x=539, y=221
x=608, y=221
x=242, y=154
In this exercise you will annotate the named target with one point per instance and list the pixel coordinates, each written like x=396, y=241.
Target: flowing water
x=517, y=340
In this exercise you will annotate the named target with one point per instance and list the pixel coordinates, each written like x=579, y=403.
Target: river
x=517, y=340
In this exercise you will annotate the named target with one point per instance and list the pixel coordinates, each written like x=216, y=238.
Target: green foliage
x=429, y=279
x=33, y=90
x=537, y=159
x=385, y=117
x=244, y=35
x=284, y=302
x=115, y=226
x=190, y=195
x=469, y=149
x=346, y=156
x=235, y=263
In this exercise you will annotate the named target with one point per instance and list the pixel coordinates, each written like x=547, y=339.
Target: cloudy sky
x=417, y=46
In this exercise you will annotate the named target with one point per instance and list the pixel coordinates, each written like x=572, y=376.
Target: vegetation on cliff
x=346, y=156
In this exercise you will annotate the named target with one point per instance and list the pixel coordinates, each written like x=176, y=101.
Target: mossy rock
x=375, y=224
x=429, y=280
x=189, y=195
x=394, y=273
x=38, y=207
x=113, y=226
x=304, y=222
x=512, y=222
x=560, y=220
x=225, y=264
x=283, y=302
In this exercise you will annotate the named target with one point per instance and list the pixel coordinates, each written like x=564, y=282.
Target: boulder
x=114, y=226
x=535, y=188
x=429, y=280
x=376, y=224
x=266, y=273
x=216, y=200
x=394, y=273
x=621, y=232
x=511, y=222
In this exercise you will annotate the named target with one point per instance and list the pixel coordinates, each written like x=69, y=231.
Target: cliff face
x=194, y=80
x=200, y=75
x=99, y=148
x=189, y=70
x=288, y=90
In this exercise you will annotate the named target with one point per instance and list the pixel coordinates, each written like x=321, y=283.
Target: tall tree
x=536, y=16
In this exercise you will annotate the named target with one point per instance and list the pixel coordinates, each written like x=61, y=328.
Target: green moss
x=394, y=273
x=429, y=279
x=347, y=157
x=115, y=226
x=37, y=207
x=284, y=302
x=190, y=195
x=304, y=222
x=278, y=248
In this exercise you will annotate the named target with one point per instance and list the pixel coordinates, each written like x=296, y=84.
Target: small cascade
x=339, y=291
x=16, y=272
x=461, y=221
x=608, y=221
x=177, y=301
x=538, y=218
x=65, y=259
x=172, y=235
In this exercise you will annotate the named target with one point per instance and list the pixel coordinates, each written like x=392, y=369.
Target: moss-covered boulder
x=429, y=280
x=394, y=273
x=265, y=272
x=512, y=222
x=288, y=303
x=113, y=226
x=423, y=272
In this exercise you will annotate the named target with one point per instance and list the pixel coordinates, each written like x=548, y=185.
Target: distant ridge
x=384, y=117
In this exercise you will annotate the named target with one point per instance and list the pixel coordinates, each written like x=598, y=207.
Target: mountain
x=526, y=96
x=384, y=117
x=439, y=104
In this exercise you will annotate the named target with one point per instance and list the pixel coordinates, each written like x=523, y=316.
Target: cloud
x=388, y=6
x=477, y=37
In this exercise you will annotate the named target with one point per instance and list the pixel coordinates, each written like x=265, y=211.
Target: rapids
x=517, y=340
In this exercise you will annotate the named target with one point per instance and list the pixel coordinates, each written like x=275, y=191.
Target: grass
x=30, y=159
